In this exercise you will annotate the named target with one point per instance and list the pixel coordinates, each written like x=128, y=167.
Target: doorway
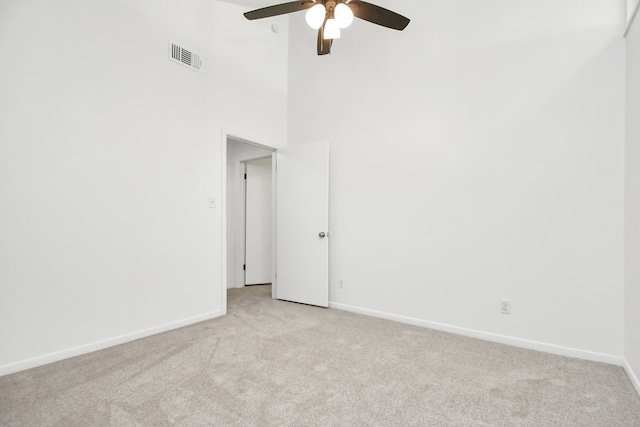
x=299, y=221
x=248, y=213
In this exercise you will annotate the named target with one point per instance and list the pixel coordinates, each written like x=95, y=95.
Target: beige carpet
x=272, y=363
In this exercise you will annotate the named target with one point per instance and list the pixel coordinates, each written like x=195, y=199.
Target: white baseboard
x=516, y=342
x=632, y=377
x=99, y=345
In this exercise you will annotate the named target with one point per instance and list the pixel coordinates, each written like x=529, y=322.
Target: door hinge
x=245, y=176
x=244, y=267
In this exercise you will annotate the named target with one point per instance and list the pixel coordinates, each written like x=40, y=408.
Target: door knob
x=322, y=234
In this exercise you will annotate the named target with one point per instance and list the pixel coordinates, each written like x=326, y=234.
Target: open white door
x=302, y=225
x=258, y=222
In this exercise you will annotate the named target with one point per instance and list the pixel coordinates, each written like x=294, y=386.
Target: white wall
x=632, y=208
x=108, y=155
x=475, y=156
x=478, y=155
x=237, y=152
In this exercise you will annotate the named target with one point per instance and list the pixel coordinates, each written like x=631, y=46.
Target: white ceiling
x=255, y=4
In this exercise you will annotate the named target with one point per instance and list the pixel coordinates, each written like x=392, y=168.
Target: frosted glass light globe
x=315, y=16
x=344, y=15
x=331, y=29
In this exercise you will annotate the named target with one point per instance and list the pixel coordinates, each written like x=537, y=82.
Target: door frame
x=258, y=142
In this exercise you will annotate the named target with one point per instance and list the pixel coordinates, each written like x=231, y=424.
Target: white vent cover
x=184, y=56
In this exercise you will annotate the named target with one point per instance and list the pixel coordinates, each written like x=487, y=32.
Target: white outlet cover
x=505, y=306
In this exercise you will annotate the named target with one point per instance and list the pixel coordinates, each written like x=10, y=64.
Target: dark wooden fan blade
x=324, y=46
x=279, y=9
x=378, y=15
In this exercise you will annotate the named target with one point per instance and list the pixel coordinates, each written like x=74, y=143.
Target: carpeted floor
x=273, y=363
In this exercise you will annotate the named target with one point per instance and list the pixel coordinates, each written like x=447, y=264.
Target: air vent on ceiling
x=184, y=56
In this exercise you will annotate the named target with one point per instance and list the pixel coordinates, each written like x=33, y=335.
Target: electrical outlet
x=505, y=306
x=341, y=283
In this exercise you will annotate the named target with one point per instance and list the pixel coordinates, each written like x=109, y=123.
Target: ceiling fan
x=328, y=16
